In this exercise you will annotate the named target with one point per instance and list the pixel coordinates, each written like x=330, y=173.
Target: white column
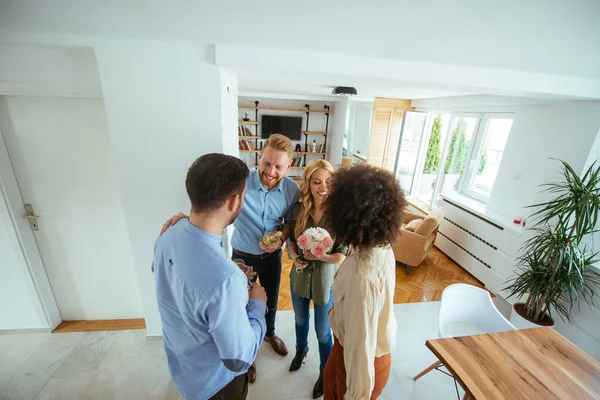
x=336, y=138
x=163, y=103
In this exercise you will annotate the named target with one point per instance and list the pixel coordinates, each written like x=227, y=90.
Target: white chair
x=467, y=310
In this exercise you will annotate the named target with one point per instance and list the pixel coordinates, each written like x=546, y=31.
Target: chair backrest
x=467, y=305
x=431, y=222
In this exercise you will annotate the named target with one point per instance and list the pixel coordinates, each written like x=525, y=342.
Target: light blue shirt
x=263, y=211
x=211, y=332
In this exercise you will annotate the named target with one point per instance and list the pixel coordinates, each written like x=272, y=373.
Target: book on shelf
x=244, y=131
x=246, y=145
x=297, y=162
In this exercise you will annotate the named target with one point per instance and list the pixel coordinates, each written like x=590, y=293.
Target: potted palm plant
x=554, y=273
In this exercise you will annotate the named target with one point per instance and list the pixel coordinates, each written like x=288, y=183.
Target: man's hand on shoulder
x=172, y=221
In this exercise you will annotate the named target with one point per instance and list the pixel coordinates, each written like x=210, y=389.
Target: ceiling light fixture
x=344, y=91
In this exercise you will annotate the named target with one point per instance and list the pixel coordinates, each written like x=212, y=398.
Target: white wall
x=56, y=71
x=316, y=122
x=163, y=104
x=539, y=133
x=229, y=117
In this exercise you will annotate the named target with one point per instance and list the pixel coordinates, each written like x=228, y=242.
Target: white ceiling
x=553, y=37
x=550, y=36
x=322, y=85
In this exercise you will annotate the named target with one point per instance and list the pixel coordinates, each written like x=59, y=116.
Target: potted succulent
x=554, y=273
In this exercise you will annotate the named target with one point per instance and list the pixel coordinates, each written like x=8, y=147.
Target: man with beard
x=213, y=322
x=267, y=208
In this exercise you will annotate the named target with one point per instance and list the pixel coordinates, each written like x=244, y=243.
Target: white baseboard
x=24, y=330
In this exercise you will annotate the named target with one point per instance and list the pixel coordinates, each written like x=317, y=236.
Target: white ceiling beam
x=450, y=77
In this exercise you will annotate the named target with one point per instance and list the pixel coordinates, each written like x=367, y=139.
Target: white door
x=61, y=156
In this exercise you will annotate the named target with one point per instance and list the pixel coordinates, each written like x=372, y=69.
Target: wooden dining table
x=534, y=363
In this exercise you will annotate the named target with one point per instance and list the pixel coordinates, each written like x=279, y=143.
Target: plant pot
x=521, y=321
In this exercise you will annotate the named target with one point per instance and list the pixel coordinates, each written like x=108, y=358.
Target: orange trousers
x=334, y=375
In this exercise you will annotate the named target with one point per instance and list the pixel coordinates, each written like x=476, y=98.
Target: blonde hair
x=281, y=143
x=306, y=198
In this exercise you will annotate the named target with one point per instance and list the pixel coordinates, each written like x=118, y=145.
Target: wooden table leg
x=428, y=369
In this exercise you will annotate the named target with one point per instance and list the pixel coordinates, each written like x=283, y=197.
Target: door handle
x=31, y=217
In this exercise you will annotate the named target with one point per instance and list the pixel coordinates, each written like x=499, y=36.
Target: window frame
x=473, y=155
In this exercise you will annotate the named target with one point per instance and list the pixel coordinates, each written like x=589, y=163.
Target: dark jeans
x=236, y=389
x=268, y=271
x=322, y=328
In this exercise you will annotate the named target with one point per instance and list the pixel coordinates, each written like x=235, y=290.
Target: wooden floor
x=425, y=282
x=100, y=325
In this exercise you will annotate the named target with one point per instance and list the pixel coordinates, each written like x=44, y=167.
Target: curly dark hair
x=365, y=207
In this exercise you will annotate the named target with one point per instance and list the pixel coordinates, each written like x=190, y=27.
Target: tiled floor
x=123, y=365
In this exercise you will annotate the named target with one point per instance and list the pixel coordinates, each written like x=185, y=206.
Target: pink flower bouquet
x=316, y=240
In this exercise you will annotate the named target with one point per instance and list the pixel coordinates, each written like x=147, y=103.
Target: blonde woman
x=312, y=280
x=364, y=212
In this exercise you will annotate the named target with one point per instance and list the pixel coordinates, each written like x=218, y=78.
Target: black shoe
x=318, y=389
x=298, y=359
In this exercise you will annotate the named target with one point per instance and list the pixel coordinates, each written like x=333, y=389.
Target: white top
x=362, y=317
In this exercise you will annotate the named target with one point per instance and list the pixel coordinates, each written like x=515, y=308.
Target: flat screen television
x=287, y=126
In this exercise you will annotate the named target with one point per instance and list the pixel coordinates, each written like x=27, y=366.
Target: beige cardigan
x=362, y=317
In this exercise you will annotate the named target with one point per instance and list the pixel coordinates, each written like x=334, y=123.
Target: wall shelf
x=283, y=109
x=301, y=155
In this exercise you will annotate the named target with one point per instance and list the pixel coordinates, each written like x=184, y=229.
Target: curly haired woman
x=364, y=211
x=312, y=280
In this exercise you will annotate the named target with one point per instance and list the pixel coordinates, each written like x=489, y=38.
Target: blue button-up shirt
x=263, y=211
x=211, y=332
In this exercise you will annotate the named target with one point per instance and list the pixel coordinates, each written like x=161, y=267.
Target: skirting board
x=25, y=330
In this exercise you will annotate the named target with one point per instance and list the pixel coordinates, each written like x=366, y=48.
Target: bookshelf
x=250, y=141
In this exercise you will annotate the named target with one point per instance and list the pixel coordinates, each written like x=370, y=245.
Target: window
x=453, y=153
x=426, y=181
x=489, y=156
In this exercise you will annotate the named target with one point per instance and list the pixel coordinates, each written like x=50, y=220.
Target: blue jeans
x=324, y=336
